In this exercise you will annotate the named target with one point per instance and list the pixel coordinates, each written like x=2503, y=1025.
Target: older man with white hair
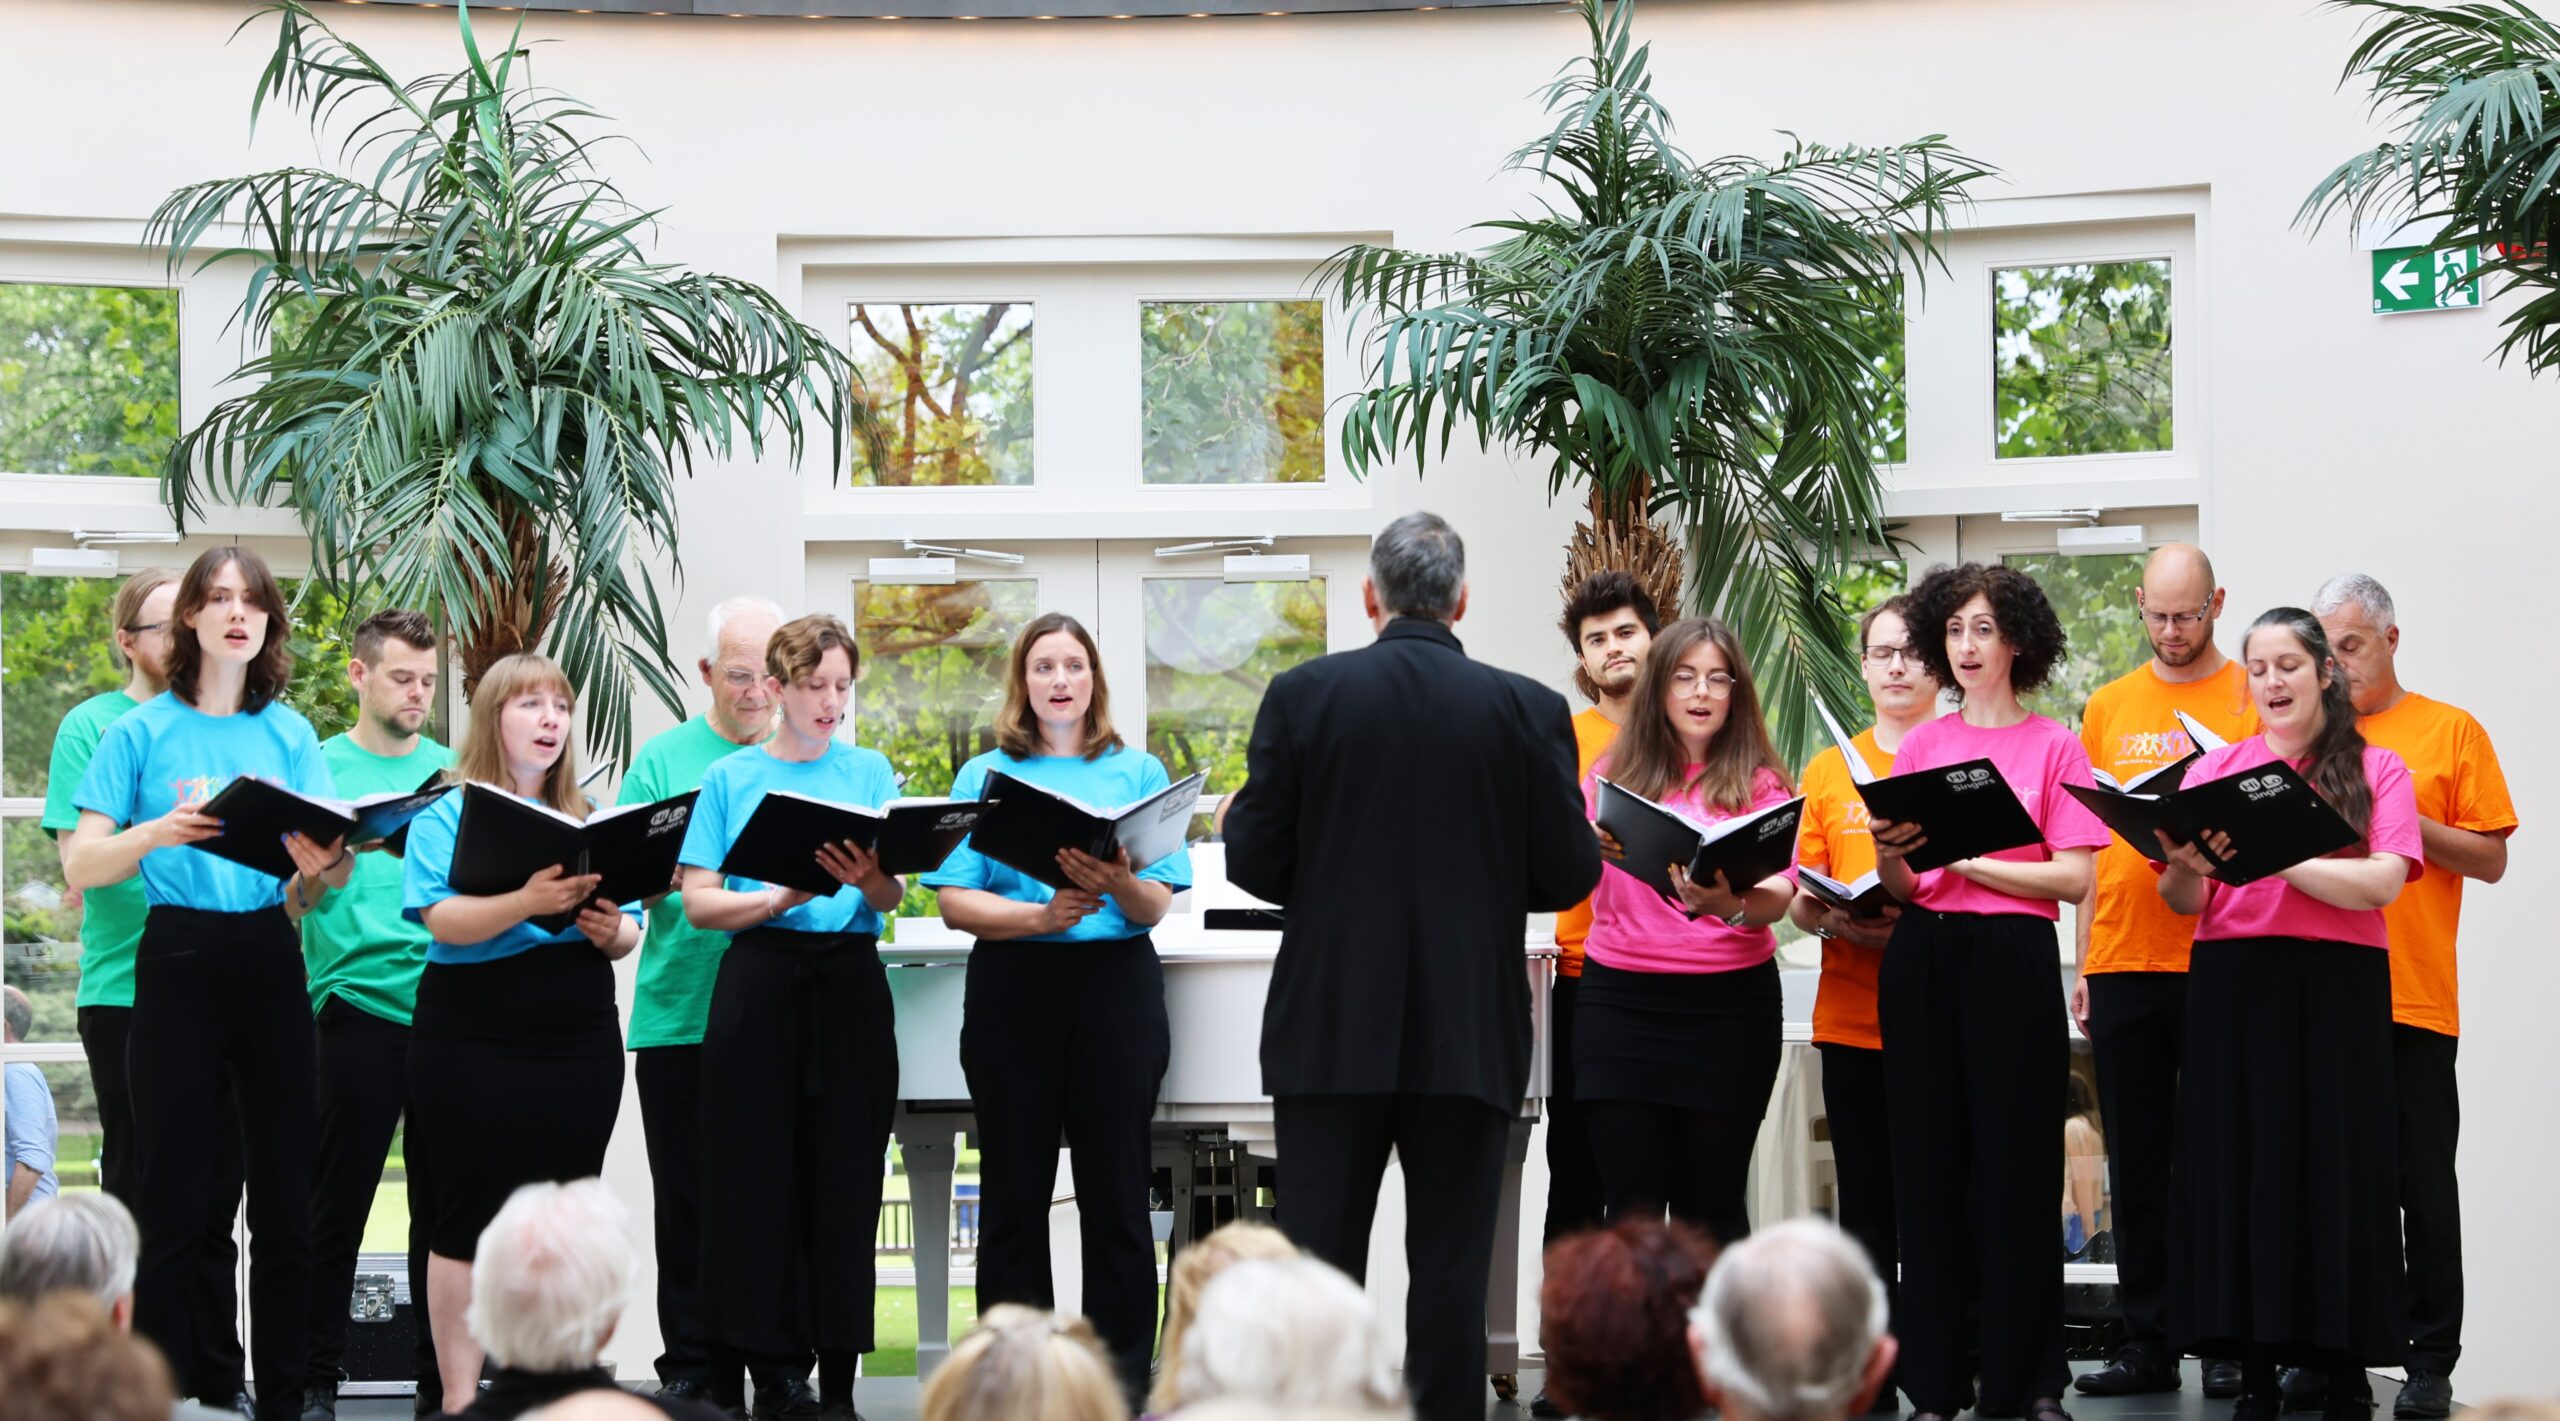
x=80, y=1243
x=1791, y=1327
x=1292, y=1332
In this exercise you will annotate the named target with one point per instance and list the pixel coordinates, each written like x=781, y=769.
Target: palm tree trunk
x=510, y=618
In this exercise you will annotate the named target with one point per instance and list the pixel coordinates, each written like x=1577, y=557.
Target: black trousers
x=1853, y=1100
x=218, y=1366
x=216, y=996
x=1574, y=1197
x=1695, y=1163
x=2430, y=1193
x=2138, y=1030
x=1976, y=1055
x=1068, y=1039
x=364, y=1089
x=800, y=1076
x=1333, y=1152
x=670, y=1083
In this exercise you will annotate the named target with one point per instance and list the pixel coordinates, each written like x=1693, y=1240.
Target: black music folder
x=2273, y=815
x=256, y=815
x=1026, y=826
x=1744, y=849
x=780, y=842
x=2160, y=779
x=503, y=841
x=1862, y=897
x=1966, y=810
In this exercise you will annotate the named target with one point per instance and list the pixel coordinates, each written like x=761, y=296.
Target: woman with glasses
x=1976, y=1050
x=1677, y=1043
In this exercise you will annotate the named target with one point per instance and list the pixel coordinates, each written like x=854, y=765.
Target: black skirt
x=2286, y=1230
x=1690, y=1040
x=515, y=1076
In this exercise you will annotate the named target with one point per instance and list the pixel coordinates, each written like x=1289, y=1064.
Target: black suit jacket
x=1409, y=808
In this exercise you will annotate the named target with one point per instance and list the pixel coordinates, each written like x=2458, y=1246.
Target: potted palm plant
x=1693, y=346
x=479, y=388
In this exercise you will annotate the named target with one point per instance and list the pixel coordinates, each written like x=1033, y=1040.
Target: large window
x=952, y=384
x=88, y=379
x=1212, y=649
x=2092, y=594
x=2083, y=355
x=1233, y=391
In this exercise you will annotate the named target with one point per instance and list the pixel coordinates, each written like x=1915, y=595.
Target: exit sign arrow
x=2399, y=279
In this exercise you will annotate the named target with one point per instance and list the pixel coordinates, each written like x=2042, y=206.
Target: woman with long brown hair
x=1677, y=1045
x=1063, y=1020
x=218, y=984
x=2286, y=1210
x=515, y=1052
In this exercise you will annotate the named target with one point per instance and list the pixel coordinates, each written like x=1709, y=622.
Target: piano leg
x=925, y=1145
x=1502, y=1286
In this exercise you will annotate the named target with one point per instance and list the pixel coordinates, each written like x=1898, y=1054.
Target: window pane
x=323, y=637
x=1212, y=648
x=933, y=661
x=1234, y=391
x=2082, y=355
x=55, y=652
x=2093, y=595
x=1861, y=585
x=2088, y=1204
x=75, y=1122
x=88, y=379
x=39, y=930
x=953, y=385
x=1879, y=323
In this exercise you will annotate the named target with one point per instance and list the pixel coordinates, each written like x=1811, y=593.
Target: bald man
x=2131, y=998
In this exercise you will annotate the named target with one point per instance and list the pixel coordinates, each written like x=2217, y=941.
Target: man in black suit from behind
x=1408, y=808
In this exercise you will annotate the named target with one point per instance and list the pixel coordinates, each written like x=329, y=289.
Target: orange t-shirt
x=2459, y=784
x=1833, y=837
x=2130, y=728
x=1593, y=733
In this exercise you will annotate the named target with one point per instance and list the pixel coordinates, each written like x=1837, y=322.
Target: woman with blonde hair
x=1188, y=1276
x=1023, y=1364
x=515, y=1055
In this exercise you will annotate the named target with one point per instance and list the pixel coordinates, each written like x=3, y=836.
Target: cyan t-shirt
x=1122, y=776
x=426, y=880
x=110, y=916
x=731, y=790
x=33, y=1132
x=165, y=753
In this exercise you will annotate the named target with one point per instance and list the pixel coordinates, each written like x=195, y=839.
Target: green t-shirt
x=355, y=944
x=678, y=961
x=110, y=917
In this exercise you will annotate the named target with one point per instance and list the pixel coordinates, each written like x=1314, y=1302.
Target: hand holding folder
x=2248, y=825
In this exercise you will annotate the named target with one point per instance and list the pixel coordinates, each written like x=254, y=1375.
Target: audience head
x=1417, y=569
x=518, y=737
x=1899, y=686
x=392, y=666
x=1695, y=704
x=1022, y=1364
x=550, y=1278
x=1980, y=626
x=2179, y=602
x=64, y=1356
x=1290, y=1331
x=141, y=616
x=1792, y=1326
x=741, y=702
x=2364, y=632
x=17, y=1014
x=1054, y=680
x=1609, y=621
x=82, y=1243
x=1613, y=1314
x=1192, y=1269
x=230, y=613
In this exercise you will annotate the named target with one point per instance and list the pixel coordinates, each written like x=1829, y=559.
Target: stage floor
x=894, y=1399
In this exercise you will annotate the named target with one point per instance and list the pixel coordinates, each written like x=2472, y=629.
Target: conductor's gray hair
x=1293, y=1332
x=552, y=1271
x=2355, y=589
x=72, y=1243
x=1789, y=1318
x=736, y=607
x=1418, y=566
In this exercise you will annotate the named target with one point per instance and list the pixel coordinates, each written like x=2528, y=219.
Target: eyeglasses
x=1887, y=655
x=2183, y=621
x=738, y=677
x=1717, y=685
x=146, y=629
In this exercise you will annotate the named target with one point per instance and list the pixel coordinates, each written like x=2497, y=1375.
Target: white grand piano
x=1215, y=982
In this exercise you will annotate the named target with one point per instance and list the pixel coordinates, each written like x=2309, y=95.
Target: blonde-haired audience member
x=1022, y=1364
x=63, y=1356
x=1192, y=1269
x=1293, y=1332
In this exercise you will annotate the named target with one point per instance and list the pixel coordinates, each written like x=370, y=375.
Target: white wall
x=2333, y=439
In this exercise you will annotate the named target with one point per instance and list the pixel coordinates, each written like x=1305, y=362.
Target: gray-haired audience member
x=1292, y=1332
x=79, y=1243
x=1792, y=1326
x=547, y=1287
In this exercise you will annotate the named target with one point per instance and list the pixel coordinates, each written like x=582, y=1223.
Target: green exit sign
x=2425, y=279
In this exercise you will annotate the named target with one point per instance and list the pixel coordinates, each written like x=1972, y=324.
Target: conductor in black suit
x=1409, y=808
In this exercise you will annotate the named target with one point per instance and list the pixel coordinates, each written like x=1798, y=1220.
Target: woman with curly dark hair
x=1977, y=1054
x=1613, y=1315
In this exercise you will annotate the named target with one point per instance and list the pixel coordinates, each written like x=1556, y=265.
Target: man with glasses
x=2131, y=998
x=671, y=1003
x=110, y=930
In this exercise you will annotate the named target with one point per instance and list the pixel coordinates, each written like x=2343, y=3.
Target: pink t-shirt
x=2037, y=756
x=2272, y=907
x=1634, y=930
